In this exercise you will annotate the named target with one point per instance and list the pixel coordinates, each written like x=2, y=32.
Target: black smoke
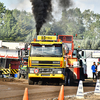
x=42, y=10
x=65, y=3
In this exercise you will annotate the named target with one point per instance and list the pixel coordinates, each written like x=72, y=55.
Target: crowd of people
x=96, y=70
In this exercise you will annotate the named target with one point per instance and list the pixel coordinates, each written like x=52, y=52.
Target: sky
x=93, y=5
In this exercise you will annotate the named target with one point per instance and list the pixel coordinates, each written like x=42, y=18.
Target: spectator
x=94, y=68
x=98, y=70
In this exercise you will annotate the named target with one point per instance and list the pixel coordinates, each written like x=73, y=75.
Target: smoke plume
x=65, y=3
x=42, y=10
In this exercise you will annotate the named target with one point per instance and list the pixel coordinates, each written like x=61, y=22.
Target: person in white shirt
x=98, y=70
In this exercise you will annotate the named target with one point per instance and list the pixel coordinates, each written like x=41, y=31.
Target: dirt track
x=13, y=89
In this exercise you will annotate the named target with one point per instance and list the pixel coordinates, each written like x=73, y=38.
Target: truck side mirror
x=26, y=46
x=19, y=53
x=26, y=49
x=67, y=50
x=82, y=53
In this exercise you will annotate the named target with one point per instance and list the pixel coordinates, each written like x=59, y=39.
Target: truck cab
x=73, y=58
x=46, y=60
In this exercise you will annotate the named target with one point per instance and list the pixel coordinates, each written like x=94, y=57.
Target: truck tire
x=19, y=75
x=30, y=81
x=71, y=81
x=68, y=82
x=65, y=81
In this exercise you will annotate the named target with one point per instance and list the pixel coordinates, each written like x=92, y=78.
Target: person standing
x=98, y=70
x=94, y=69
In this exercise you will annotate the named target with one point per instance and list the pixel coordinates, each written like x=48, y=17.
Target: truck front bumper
x=60, y=76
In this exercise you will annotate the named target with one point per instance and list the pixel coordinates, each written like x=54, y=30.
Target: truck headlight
x=59, y=72
x=31, y=70
x=56, y=62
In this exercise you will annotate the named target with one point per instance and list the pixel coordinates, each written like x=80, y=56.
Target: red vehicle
x=22, y=72
x=68, y=39
x=73, y=57
x=9, y=61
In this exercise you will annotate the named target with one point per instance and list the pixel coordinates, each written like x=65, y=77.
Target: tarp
x=6, y=53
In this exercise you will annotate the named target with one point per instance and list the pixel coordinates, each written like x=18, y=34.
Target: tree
x=17, y=25
x=2, y=12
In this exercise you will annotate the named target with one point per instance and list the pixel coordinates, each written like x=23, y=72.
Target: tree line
x=16, y=25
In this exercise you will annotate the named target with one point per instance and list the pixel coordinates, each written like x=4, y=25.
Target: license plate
x=45, y=75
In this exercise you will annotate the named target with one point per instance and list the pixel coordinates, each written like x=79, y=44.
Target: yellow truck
x=46, y=61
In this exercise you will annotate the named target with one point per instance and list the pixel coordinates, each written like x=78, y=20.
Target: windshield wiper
x=37, y=55
x=55, y=55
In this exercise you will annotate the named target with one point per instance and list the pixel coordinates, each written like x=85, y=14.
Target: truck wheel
x=19, y=75
x=68, y=81
x=30, y=81
x=65, y=81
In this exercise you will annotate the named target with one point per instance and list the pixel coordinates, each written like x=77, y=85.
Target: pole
x=9, y=69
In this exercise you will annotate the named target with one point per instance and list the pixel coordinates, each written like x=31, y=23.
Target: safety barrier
x=97, y=88
x=14, y=71
x=5, y=71
x=80, y=93
x=9, y=71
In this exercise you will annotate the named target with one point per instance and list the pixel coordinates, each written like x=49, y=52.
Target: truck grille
x=46, y=63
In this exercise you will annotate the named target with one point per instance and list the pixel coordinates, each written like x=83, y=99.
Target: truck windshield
x=75, y=54
x=46, y=50
x=69, y=45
